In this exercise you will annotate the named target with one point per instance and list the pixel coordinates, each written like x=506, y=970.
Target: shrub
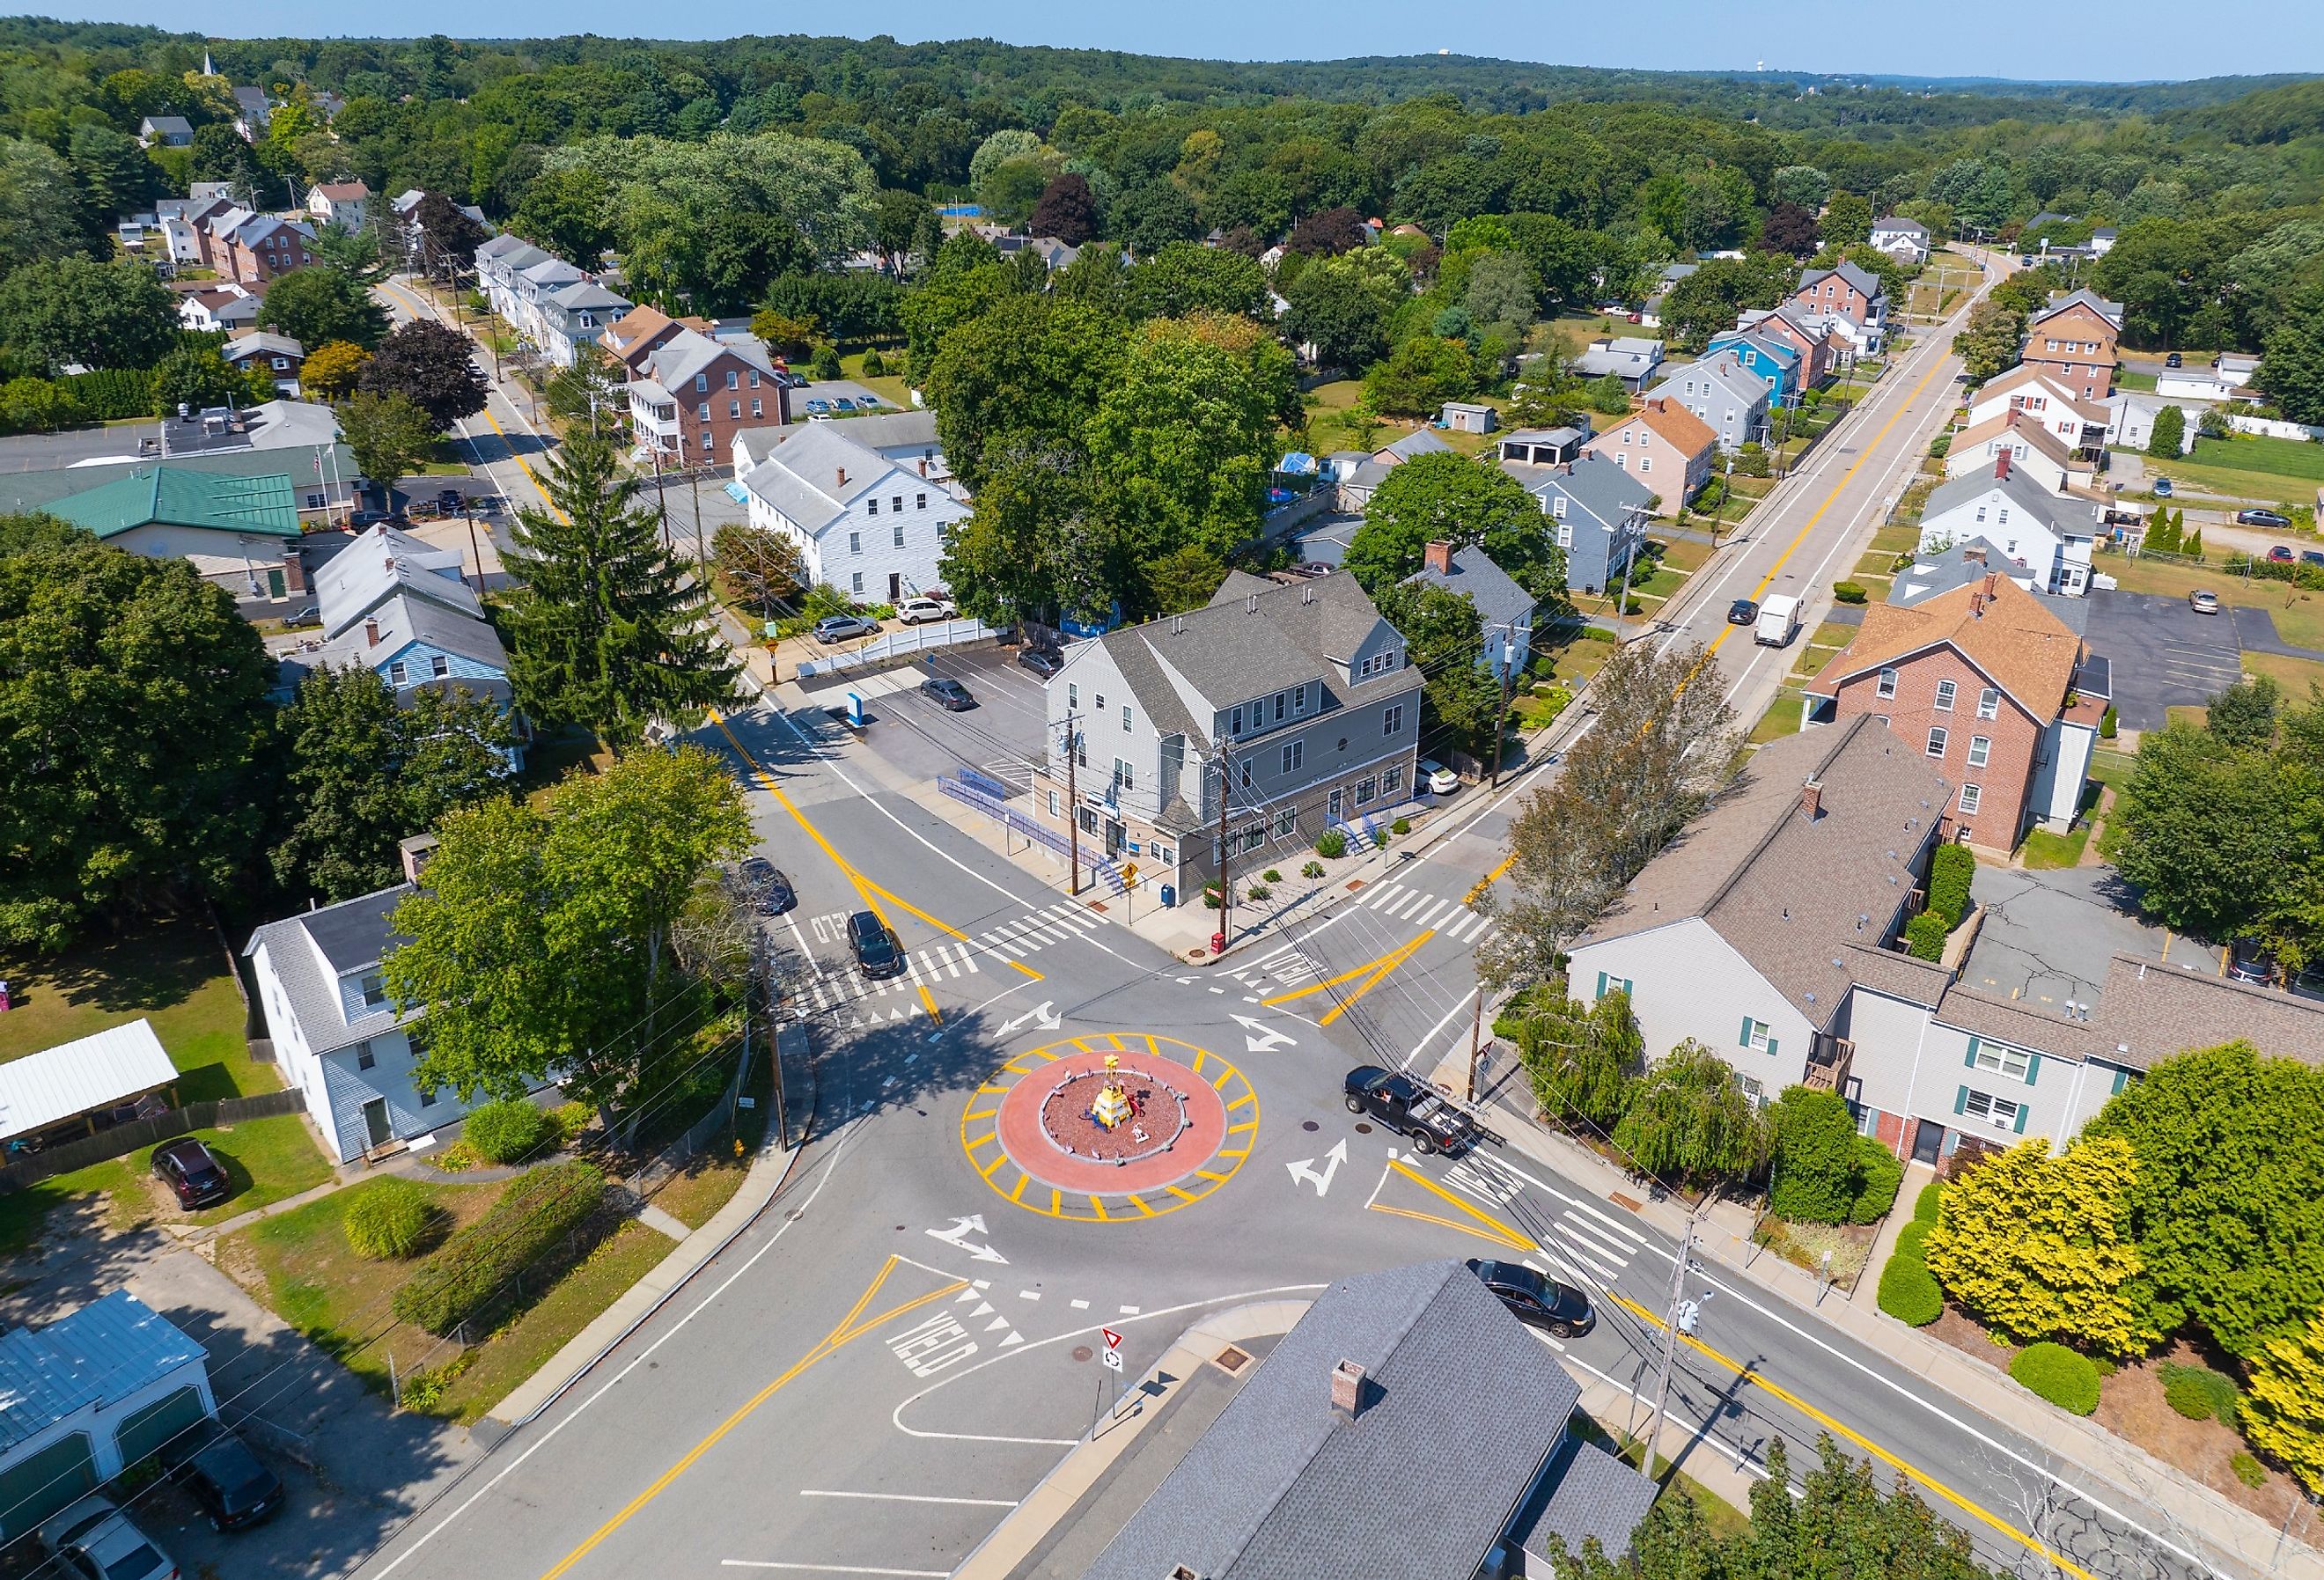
x=1848, y=592
x=1925, y=1205
x=1257, y=891
x=1950, y=872
x=1272, y=876
x=1924, y=937
x=1311, y=870
x=2058, y=1374
x=1599, y=633
x=506, y=1130
x=1939, y=446
x=1879, y=1177
x=2199, y=1392
x=1815, y=1164
x=1911, y=1238
x=1909, y=1293
x=2108, y=724
x=1332, y=846
x=2249, y=1470
x=1401, y=825
x=539, y=1209
x=389, y=1219
x=875, y=364
x=1380, y=839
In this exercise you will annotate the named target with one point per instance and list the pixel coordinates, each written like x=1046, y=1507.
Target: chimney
x=370, y=633
x=2001, y=468
x=1347, y=1391
x=1811, y=798
x=843, y=477
x=416, y=851
x=1438, y=558
x=924, y=466
x=1992, y=584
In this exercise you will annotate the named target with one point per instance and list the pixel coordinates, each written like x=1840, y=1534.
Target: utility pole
x=1501, y=715
x=1073, y=811
x=1226, y=887
x=701, y=553
x=469, y=502
x=1670, y=1345
x=1476, y=1033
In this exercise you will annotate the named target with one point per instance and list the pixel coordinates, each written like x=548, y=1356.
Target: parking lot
x=2164, y=654
x=1001, y=737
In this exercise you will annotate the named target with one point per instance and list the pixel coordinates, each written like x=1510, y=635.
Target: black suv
x=1742, y=612
x=234, y=1488
x=1535, y=1299
x=192, y=1172
x=1410, y=1109
x=876, y=953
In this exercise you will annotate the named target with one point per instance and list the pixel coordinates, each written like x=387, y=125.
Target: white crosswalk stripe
x=1386, y=892
x=1574, y=1229
x=1421, y=918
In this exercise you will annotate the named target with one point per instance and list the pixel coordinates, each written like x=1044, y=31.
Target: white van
x=1779, y=618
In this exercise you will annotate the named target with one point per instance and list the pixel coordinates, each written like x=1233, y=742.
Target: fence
x=902, y=643
x=2271, y=428
x=698, y=1135
x=124, y=1139
x=973, y=789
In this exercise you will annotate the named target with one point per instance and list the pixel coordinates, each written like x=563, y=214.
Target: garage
x=42, y=1483
x=144, y=1430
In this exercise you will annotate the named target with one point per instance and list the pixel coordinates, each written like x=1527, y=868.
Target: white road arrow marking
x=1304, y=1170
x=1043, y=1015
x=1262, y=1037
x=957, y=1237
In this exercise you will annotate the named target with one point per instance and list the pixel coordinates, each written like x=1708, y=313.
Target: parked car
x=2278, y=554
x=2257, y=517
x=2203, y=601
x=231, y=1484
x=947, y=693
x=1742, y=612
x=449, y=501
x=1537, y=1300
x=2163, y=488
x=2174, y=360
x=1310, y=569
x=192, y=1172
x=876, y=953
x=1409, y=1109
x=94, y=1538
x=766, y=880
x=1440, y=780
x=2249, y=960
x=842, y=404
x=819, y=406
x=913, y=611
x=2027, y=261
x=1040, y=661
x=368, y=518
x=835, y=628
x=2311, y=556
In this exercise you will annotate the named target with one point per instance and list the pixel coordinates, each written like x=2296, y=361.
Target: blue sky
x=2127, y=41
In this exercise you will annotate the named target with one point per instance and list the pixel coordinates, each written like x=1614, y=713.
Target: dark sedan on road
x=770, y=891
x=947, y=693
x=2257, y=517
x=1742, y=612
x=235, y=1489
x=876, y=953
x=192, y=1172
x=1410, y=1109
x=1537, y=1300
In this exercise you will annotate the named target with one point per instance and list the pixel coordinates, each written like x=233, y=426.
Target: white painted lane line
x=1571, y=1228
x=1573, y=1252
x=1429, y=1036
x=1129, y=1311
x=913, y=1498
x=912, y=966
x=833, y=1568
x=1028, y=1294
x=968, y=958
x=1078, y=1304
x=1405, y=907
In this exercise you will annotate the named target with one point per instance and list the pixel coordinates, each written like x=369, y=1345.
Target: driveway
x=2047, y=937
x=2164, y=655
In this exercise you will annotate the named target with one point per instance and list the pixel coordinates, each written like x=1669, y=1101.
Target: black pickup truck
x=1410, y=1109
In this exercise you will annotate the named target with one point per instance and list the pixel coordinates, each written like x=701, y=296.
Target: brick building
x=2074, y=339
x=694, y=394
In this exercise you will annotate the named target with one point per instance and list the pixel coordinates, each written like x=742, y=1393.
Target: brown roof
x=2149, y=1011
x=1997, y=625
x=343, y=191
x=1688, y=434
x=1807, y=901
x=2027, y=372
x=641, y=324
x=2033, y=432
x=2011, y=1021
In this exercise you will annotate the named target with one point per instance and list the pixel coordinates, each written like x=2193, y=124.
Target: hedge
x=538, y=1210
x=2301, y=573
x=506, y=1130
x=1879, y=1176
x=1926, y=1204
x=2200, y=1393
x=1912, y=1237
x=1848, y=592
x=389, y=1219
x=1950, y=872
x=111, y=394
x=1924, y=936
x=1909, y=1292
x=2068, y=1380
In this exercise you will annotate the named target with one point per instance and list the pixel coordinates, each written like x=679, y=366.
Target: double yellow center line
x=1373, y=972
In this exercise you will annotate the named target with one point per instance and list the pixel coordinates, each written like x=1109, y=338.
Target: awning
x=76, y=1077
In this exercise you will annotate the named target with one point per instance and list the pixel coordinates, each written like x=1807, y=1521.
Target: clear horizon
x=2140, y=41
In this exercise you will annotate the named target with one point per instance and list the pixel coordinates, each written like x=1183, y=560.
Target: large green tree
x=131, y=723
x=389, y=437
x=1444, y=638
x=1582, y=1058
x=1021, y=381
x=313, y=306
x=365, y=772
x=431, y=365
x=1987, y=346
x=608, y=634
x=2292, y=365
x=1333, y=310
x=1455, y=499
x=1185, y=278
x=1687, y=1119
x=1707, y=300
x=2202, y=831
x=98, y=315
x=42, y=219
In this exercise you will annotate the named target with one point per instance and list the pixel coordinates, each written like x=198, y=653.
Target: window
x=872, y=505
x=1565, y=534
x=1557, y=508
x=1645, y=462
x=1081, y=749
x=395, y=674
x=428, y=1097
x=1888, y=687
x=1980, y=751
x=1053, y=803
x=733, y=378
x=315, y=502
x=1299, y=700
x=1286, y=824
x=374, y=991
x=1756, y=1035
x=1946, y=691
x=1622, y=461
x=896, y=504
x=1998, y=1112
x=701, y=382
x=1867, y=1119
x=1367, y=791
x=1937, y=741
x=1073, y=695
x=1980, y=513
x=438, y=666
x=1235, y=723
x=1163, y=855
x=364, y=1058
x=706, y=444
x=1392, y=721
x=1122, y=775
x=2013, y=1062
x=1620, y=985
x=1295, y=755
x=855, y=545
x=856, y=583
x=919, y=501
x=1282, y=698
x=754, y=384
x=1391, y=780
x=898, y=535
x=1972, y=797
x=734, y=410
x=1125, y=718
x=756, y=406
x=1246, y=774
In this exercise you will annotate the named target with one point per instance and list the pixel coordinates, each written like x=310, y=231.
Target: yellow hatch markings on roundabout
x=1975, y=1511
x=980, y=1136
x=1483, y=1225
x=852, y=1326
x=1373, y=972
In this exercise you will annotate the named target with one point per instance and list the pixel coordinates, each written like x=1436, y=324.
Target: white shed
x=100, y=1071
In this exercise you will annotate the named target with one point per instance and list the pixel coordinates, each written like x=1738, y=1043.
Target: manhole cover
x=1310, y=1124
x=1363, y=1130
x=1083, y=1353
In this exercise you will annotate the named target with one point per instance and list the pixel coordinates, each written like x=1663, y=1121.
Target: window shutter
x=2033, y=1068
x=1771, y=1048
x=1602, y=994
x=1960, y=1099
x=2020, y=1126
x=1745, y=1038
x=2121, y=1079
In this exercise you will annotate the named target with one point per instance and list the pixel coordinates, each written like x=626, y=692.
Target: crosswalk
x=1582, y=1246
x=1451, y=918
x=1031, y=933
x=923, y=967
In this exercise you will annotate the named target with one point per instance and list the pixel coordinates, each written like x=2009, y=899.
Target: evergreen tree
x=2168, y=438
x=608, y=633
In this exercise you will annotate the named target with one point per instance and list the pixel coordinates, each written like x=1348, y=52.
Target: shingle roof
x=1414, y=445
x=2148, y=1011
x=2012, y=1022
x=403, y=619
x=170, y=124
x=1785, y=892
x=1723, y=370
x=2012, y=424
x=1601, y=490
x=2062, y=516
x=883, y=431
x=261, y=343
x=1420, y=1485
x=1933, y=575
x=1592, y=1493
x=1686, y=432
x=343, y=191
x=674, y=362
x=382, y=563
x=176, y=496
x=98, y=1355
x=1995, y=623
x=2109, y=310
x=95, y=1071
x=1500, y=602
x=801, y=476
x=352, y=934
x=1899, y=225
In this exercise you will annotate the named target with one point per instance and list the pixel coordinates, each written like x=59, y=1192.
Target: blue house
x=1774, y=363
x=1598, y=513
x=1503, y=609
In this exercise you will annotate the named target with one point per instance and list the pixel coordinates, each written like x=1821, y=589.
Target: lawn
x=2044, y=851
x=2272, y=488
x=1782, y=717
x=2294, y=675
x=174, y=975
x=266, y=1159
x=2112, y=767
x=888, y=387
x=1576, y=661
x=1683, y=553
x=2251, y=452
x=2131, y=380
x=528, y=1343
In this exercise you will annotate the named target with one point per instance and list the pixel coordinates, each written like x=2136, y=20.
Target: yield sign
x=1112, y=1339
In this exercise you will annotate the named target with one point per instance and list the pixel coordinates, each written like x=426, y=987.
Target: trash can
x=1169, y=895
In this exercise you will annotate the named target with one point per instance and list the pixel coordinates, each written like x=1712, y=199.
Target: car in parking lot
x=1410, y=1109
x=819, y=406
x=1440, y=780
x=192, y=1172
x=947, y=693
x=231, y=1484
x=876, y=953
x=914, y=611
x=2278, y=554
x=1310, y=569
x=1040, y=661
x=1742, y=612
x=2311, y=556
x=842, y=404
x=772, y=891
x=2203, y=601
x=834, y=628
x=93, y=1540
x=2249, y=960
x=2257, y=517
x=368, y=518
x=1537, y=1300
x=449, y=501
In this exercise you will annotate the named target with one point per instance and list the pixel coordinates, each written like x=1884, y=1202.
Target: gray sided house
x=1724, y=393
x=1503, y=609
x=1598, y=513
x=1301, y=691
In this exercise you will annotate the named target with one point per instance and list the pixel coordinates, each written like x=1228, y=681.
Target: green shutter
x=1601, y=984
x=1747, y=1032
x=2121, y=1079
x=2033, y=1069
x=1972, y=1060
x=1960, y=1099
x=1771, y=1048
x=2020, y=1126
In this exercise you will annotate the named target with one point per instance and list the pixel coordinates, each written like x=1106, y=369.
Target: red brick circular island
x=1177, y=1125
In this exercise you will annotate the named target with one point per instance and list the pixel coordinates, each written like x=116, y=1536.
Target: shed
x=1469, y=417
x=88, y=1396
x=101, y=1071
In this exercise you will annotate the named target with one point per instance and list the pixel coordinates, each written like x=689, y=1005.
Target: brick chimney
x=1438, y=558
x=924, y=466
x=843, y=477
x=1347, y=1391
x=370, y=633
x=2001, y=468
x=416, y=851
x=1811, y=798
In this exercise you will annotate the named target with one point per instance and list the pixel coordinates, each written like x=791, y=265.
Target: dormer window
x=374, y=991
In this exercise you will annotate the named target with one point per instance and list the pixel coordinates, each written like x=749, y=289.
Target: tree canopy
x=1455, y=499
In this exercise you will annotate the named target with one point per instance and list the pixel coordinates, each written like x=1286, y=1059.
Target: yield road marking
x=852, y=1326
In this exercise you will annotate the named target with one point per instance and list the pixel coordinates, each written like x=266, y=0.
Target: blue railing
x=973, y=789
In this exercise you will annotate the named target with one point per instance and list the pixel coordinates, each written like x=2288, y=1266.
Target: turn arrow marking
x=1304, y=1170
x=957, y=1237
x=1043, y=1015
x=1262, y=1037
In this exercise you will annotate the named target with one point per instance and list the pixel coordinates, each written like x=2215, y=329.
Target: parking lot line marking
x=1097, y=1205
x=916, y=1497
x=1078, y=1304
x=985, y=1113
x=994, y=1167
x=1245, y=1124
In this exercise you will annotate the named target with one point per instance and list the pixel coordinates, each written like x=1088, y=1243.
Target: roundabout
x=1113, y=1126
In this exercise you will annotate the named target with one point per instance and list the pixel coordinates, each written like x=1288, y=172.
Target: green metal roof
x=176, y=496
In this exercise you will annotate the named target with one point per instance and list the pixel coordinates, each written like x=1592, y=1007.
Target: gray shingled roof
x=1500, y=602
x=376, y=567
x=1594, y=485
x=1932, y=576
x=801, y=478
x=2062, y=514
x=2010, y=1021
x=1591, y=1495
x=1421, y=442
x=2148, y=1011
x=1855, y=275
x=404, y=619
x=1420, y=1485
x=1724, y=371
x=675, y=362
x=351, y=934
x=885, y=430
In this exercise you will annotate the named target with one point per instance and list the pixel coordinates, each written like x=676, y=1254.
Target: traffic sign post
x=1112, y=1359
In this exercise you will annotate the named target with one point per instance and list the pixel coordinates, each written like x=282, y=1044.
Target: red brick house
x=1981, y=680
x=2073, y=339
x=1847, y=300
x=692, y=394
x=251, y=249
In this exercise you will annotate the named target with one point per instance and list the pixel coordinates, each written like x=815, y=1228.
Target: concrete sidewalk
x=2195, y=1514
